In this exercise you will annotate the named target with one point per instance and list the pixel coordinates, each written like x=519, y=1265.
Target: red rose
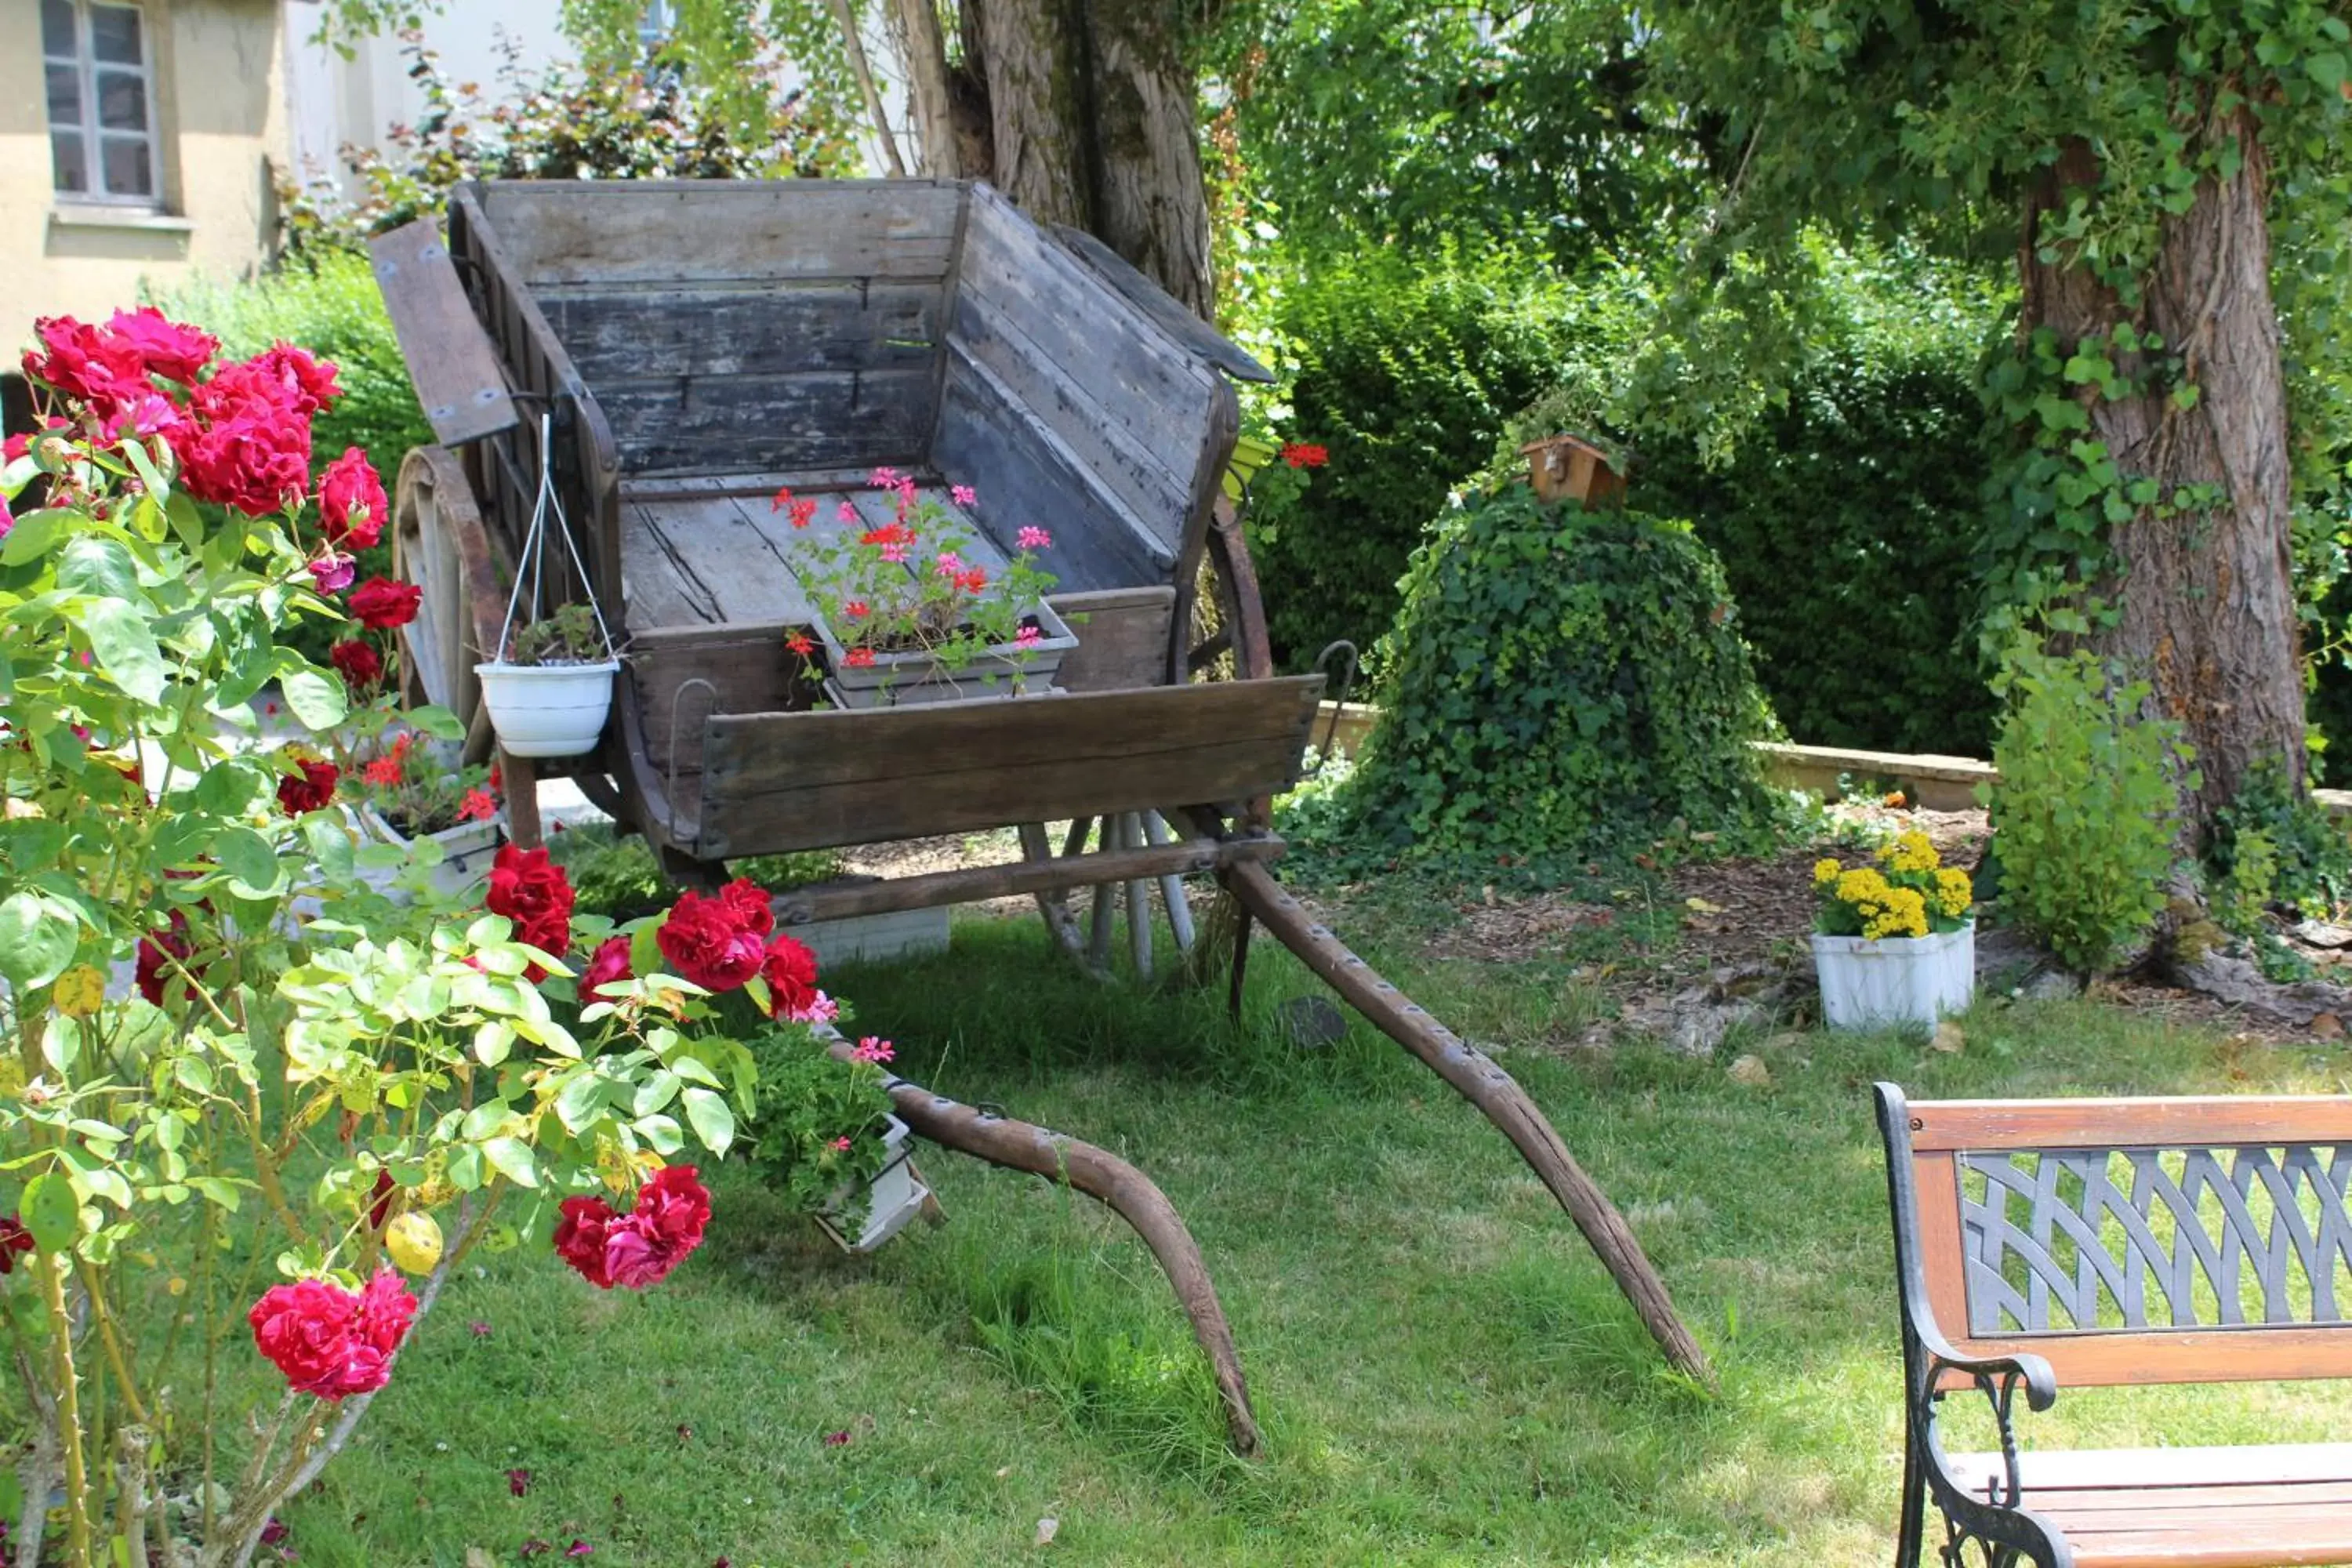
x=14, y=1238
x=156, y=950
x=379, y=1199
x=754, y=910
x=350, y=501
x=609, y=965
x=790, y=970
x=384, y=603
x=308, y=382
x=330, y=1341
x=666, y=1225
x=86, y=364
x=361, y=666
x=580, y=1239
x=168, y=348
x=705, y=940
x=251, y=445
x=533, y=892
x=309, y=792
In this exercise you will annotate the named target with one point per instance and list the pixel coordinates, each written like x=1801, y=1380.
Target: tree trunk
x=2207, y=598
x=1083, y=112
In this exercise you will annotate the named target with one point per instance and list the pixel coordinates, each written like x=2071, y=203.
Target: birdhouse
x=1568, y=467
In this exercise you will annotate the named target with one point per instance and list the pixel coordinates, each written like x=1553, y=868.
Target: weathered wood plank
x=1026, y=474
x=718, y=550
x=1203, y=340
x=690, y=231
x=773, y=782
x=1122, y=637
x=452, y=361
x=973, y=884
x=758, y=423
x=747, y=666
x=767, y=330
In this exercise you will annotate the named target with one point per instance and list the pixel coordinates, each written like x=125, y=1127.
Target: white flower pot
x=895, y=1197
x=1898, y=980
x=466, y=851
x=548, y=710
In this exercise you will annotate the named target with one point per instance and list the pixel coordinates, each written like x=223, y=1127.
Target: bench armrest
x=2040, y=1382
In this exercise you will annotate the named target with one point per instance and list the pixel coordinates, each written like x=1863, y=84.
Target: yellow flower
x=1953, y=892
x=1825, y=872
x=1860, y=886
x=1903, y=913
x=1911, y=851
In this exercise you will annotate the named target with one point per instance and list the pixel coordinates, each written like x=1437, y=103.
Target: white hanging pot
x=895, y=1196
x=548, y=710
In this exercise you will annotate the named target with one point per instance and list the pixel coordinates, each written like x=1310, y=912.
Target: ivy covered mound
x=1560, y=681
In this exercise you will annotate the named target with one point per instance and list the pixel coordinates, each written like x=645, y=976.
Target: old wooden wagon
x=668, y=355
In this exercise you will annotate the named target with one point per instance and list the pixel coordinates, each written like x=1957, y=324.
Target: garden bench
x=2114, y=1242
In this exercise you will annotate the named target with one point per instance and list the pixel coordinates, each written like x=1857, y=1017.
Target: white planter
x=548, y=710
x=905, y=679
x=895, y=1197
x=1911, y=979
x=466, y=851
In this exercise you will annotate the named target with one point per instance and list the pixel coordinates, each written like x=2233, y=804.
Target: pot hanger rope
x=533, y=566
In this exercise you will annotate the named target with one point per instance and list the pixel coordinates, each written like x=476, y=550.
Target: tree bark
x=1091, y=119
x=2206, y=597
x=922, y=49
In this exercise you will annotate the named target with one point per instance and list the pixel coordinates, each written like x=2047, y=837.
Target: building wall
x=220, y=98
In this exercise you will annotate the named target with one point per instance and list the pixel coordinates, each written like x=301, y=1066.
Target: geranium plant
x=570, y=636
x=227, y=1057
x=418, y=788
x=816, y=1135
x=1905, y=892
x=911, y=584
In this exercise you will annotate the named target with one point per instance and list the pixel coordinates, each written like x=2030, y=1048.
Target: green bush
x=2083, y=818
x=2301, y=856
x=1560, y=681
x=1408, y=378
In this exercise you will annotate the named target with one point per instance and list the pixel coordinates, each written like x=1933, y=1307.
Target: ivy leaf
x=2328, y=69
x=50, y=1211
x=37, y=938
x=125, y=647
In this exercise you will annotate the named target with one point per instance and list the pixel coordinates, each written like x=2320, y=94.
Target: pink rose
x=329, y=1342
x=168, y=349
x=608, y=965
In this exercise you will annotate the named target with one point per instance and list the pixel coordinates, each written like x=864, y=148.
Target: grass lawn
x=1445, y=1372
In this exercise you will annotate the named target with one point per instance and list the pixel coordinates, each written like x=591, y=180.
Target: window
x=655, y=23
x=102, y=101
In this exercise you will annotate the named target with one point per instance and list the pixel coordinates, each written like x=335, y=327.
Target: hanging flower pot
x=466, y=851
x=861, y=1218
x=1896, y=943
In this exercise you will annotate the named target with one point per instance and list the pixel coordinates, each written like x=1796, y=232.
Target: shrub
x=2083, y=817
x=1407, y=378
x=2302, y=856
x=1560, y=681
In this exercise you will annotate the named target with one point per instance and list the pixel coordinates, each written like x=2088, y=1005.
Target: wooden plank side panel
x=1093, y=366
x=673, y=232
x=763, y=330
x=2189, y=1122
x=742, y=424
x=773, y=782
x=451, y=361
x=1123, y=638
x=1027, y=474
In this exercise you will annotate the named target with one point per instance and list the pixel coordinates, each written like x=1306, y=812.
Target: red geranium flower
x=1304, y=455
x=311, y=790
x=168, y=349
x=858, y=659
x=707, y=940
x=328, y=1341
x=352, y=507
x=754, y=910
x=533, y=892
x=384, y=603
x=607, y=966
x=479, y=805
x=361, y=666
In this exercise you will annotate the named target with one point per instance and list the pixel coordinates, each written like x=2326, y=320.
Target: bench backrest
x=2131, y=1241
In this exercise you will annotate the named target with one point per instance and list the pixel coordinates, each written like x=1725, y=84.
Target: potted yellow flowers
x=1893, y=941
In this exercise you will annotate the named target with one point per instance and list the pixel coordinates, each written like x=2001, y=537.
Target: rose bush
x=227, y=1055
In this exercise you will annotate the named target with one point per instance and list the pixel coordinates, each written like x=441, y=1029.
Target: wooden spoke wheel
x=1220, y=633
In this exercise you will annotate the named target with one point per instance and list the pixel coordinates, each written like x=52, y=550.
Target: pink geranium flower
x=1033, y=538
x=963, y=495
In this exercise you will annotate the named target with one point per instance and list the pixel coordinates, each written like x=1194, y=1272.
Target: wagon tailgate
x=451, y=361
x=779, y=782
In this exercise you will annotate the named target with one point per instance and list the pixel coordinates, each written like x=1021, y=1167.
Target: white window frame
x=94, y=137
x=656, y=23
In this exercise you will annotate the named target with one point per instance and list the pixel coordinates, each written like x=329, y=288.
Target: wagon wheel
x=439, y=544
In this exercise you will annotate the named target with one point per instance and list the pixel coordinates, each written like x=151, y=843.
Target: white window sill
x=94, y=215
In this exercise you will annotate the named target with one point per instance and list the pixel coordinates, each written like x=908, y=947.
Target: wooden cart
x=689, y=348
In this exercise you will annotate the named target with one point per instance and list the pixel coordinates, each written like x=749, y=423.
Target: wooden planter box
x=905, y=679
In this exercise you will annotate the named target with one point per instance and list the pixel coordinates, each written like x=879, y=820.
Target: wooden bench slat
x=2255, y=1506
x=2194, y=1121
x=2146, y=1469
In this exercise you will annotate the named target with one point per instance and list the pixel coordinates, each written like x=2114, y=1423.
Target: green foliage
x=2083, y=816
x=620, y=879
x=2277, y=843
x=1408, y=377
x=809, y=1106
x=732, y=56
x=570, y=636
x=1369, y=124
x=1560, y=681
